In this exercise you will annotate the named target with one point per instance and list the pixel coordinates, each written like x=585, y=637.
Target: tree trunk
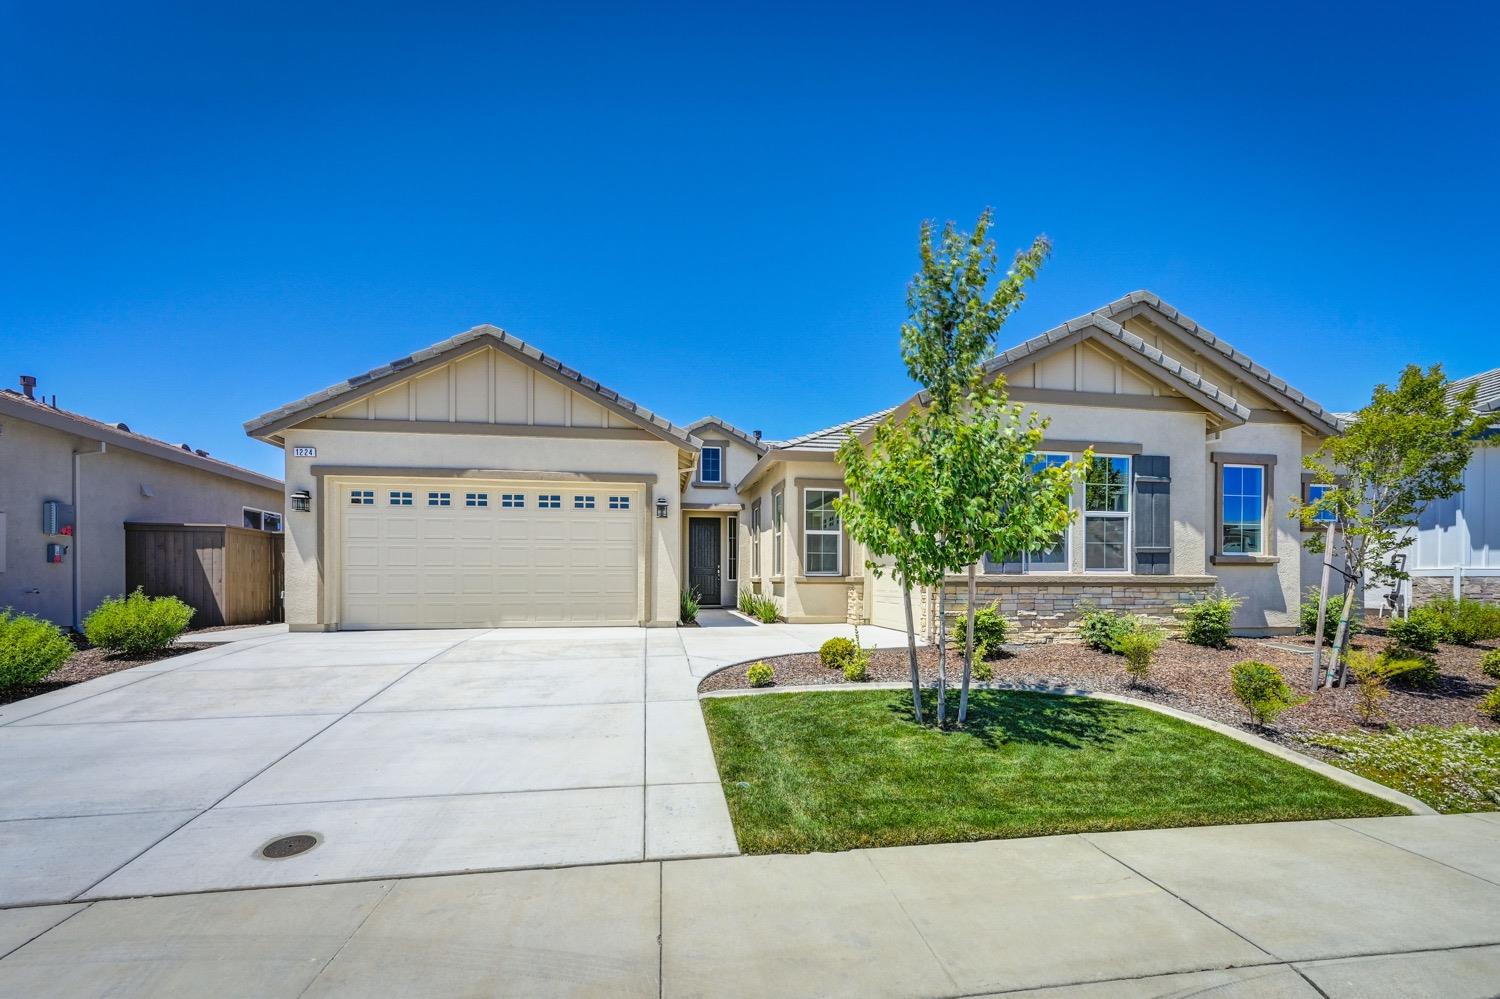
x=1335, y=659
x=942, y=637
x=963, y=697
x=1317, y=676
x=911, y=653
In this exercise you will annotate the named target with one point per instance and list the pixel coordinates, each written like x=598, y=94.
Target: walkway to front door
x=703, y=560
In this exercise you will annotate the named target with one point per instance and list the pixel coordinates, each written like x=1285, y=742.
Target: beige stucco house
x=68, y=486
x=481, y=482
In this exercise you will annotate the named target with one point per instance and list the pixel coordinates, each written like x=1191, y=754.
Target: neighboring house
x=99, y=476
x=1455, y=550
x=480, y=482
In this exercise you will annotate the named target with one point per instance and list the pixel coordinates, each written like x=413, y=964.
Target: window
x=778, y=518
x=476, y=499
x=262, y=520
x=755, y=539
x=619, y=502
x=711, y=464
x=822, y=534
x=1315, y=492
x=583, y=502
x=439, y=499
x=1106, y=513
x=1242, y=517
x=512, y=501
x=734, y=548
x=400, y=498
x=1054, y=559
x=362, y=497
x=549, y=501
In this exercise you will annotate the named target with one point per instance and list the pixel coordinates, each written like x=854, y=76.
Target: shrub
x=137, y=624
x=1206, y=622
x=990, y=630
x=765, y=609
x=746, y=602
x=1464, y=621
x=1491, y=704
x=983, y=671
x=1375, y=674
x=835, y=652
x=1262, y=689
x=30, y=648
x=1307, y=616
x=1102, y=629
x=688, y=610
x=1138, y=647
x=760, y=674
x=1489, y=663
x=857, y=666
x=1418, y=633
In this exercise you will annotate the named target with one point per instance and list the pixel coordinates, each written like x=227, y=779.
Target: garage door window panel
x=512, y=501
x=400, y=497
x=477, y=499
x=439, y=499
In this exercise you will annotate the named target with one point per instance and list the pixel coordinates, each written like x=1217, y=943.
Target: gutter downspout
x=77, y=525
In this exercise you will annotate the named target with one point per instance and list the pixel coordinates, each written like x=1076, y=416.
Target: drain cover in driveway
x=288, y=846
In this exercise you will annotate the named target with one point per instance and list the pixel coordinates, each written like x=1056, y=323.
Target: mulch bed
x=88, y=663
x=1183, y=676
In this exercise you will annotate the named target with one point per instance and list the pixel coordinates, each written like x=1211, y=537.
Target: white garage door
x=464, y=554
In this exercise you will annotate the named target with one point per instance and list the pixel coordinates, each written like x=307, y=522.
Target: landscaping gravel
x=87, y=663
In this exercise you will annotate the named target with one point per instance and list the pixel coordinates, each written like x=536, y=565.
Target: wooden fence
x=229, y=575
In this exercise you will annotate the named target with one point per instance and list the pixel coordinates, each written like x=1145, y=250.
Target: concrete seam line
x=1441, y=863
x=910, y=921
x=661, y=929
x=1310, y=983
x=81, y=908
x=347, y=940
x=1317, y=766
x=173, y=831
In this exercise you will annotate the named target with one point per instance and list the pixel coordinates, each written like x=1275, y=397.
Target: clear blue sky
x=209, y=210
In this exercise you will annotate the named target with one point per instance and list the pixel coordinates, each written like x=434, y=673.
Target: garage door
x=463, y=554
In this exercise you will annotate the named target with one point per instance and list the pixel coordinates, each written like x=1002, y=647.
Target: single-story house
x=71, y=484
x=481, y=482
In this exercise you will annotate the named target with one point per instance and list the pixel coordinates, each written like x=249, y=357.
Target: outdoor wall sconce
x=302, y=501
x=661, y=507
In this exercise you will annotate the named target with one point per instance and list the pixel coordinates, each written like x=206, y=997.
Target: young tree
x=1407, y=447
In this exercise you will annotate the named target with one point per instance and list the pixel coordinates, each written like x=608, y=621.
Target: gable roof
x=1188, y=382
x=119, y=435
x=749, y=439
x=830, y=438
x=1488, y=398
x=1298, y=403
x=268, y=424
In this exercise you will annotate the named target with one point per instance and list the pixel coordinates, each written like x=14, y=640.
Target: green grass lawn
x=840, y=770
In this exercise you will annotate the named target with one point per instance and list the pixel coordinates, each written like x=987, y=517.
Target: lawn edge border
x=1348, y=779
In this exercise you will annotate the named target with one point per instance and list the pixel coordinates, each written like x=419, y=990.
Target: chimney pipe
x=757, y=434
x=28, y=386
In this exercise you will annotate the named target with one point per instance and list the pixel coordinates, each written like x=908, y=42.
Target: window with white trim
x=439, y=499
x=1242, y=497
x=400, y=497
x=362, y=497
x=476, y=499
x=619, y=502
x=734, y=548
x=583, y=502
x=261, y=520
x=549, y=501
x=822, y=533
x=778, y=521
x=711, y=464
x=1106, y=513
x=755, y=540
x=512, y=501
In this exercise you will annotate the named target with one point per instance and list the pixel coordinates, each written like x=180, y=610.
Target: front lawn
x=1452, y=769
x=841, y=770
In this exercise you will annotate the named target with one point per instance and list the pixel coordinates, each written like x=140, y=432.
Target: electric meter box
x=57, y=517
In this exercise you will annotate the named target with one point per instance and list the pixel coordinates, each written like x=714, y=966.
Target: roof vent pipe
x=756, y=433
x=28, y=386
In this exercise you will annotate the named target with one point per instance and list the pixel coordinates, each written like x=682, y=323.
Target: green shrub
x=1139, y=648
x=1418, y=633
x=760, y=675
x=835, y=652
x=764, y=609
x=1464, y=621
x=857, y=666
x=1489, y=663
x=983, y=671
x=30, y=648
x=689, y=606
x=746, y=602
x=990, y=630
x=1262, y=689
x=1307, y=615
x=137, y=624
x=1491, y=704
x=1102, y=629
x=1206, y=622
x=1374, y=675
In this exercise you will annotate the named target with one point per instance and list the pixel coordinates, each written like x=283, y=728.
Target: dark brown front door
x=703, y=559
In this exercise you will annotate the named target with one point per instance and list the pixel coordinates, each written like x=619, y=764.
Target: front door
x=703, y=559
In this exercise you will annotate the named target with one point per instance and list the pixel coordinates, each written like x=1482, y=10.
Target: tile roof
x=749, y=438
x=830, y=438
x=1488, y=398
x=121, y=435
x=484, y=332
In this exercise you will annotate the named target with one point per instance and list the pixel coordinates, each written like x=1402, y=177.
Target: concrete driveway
x=405, y=753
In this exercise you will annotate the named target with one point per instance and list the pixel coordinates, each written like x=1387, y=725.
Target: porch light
x=302, y=501
x=661, y=506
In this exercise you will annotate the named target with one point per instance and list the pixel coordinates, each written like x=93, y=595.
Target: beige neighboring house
x=482, y=483
x=99, y=476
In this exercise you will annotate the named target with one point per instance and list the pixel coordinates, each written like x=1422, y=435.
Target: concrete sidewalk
x=1369, y=907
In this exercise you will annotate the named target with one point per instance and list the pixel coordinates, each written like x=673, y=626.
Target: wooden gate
x=228, y=575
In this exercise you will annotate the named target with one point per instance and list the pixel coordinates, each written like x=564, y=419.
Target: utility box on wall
x=57, y=518
x=55, y=552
